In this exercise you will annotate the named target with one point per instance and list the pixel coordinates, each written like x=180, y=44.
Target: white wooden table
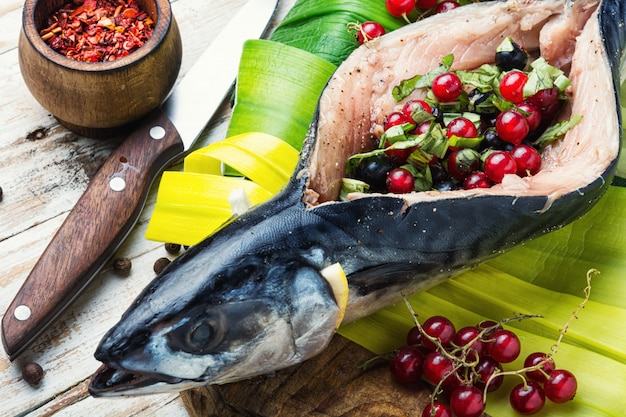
x=44, y=168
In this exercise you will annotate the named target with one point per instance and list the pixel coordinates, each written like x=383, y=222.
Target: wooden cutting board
x=328, y=385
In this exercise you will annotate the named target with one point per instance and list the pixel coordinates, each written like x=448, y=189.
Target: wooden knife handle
x=92, y=232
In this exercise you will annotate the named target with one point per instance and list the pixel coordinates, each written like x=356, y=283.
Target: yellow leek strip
x=263, y=158
x=190, y=206
x=193, y=204
x=336, y=277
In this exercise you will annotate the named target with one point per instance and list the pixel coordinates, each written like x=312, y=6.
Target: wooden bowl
x=99, y=99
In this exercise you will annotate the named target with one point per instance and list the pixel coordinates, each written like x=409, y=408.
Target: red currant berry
x=527, y=159
x=487, y=366
x=527, y=399
x=547, y=366
x=468, y=338
x=446, y=6
x=437, y=367
x=532, y=114
x=436, y=409
x=422, y=128
x=461, y=127
x=512, y=86
x=489, y=326
x=414, y=336
x=398, y=156
x=505, y=346
x=426, y=4
x=400, y=181
x=367, y=31
x=546, y=100
x=400, y=8
x=414, y=105
x=440, y=328
x=467, y=402
x=498, y=164
x=477, y=179
x=405, y=364
x=447, y=87
x=561, y=386
x=512, y=126
x=394, y=119
x=453, y=382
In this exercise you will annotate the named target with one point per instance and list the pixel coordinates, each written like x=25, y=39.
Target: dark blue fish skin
x=384, y=244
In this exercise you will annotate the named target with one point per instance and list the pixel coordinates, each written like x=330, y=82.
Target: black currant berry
x=373, y=170
x=447, y=185
x=491, y=140
x=511, y=56
x=438, y=172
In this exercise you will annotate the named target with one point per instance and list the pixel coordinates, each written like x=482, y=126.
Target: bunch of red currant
x=466, y=364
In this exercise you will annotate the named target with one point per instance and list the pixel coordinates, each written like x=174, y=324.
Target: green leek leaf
x=321, y=27
x=544, y=276
x=557, y=130
x=277, y=96
x=597, y=240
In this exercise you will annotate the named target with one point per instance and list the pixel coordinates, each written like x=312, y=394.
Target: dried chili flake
x=98, y=30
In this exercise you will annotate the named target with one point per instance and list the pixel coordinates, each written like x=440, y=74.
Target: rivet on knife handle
x=123, y=183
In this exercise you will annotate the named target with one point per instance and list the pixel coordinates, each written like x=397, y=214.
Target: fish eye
x=199, y=335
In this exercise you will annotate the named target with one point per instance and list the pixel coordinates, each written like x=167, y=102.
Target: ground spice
x=98, y=30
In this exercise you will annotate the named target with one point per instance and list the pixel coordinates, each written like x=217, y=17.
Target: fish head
x=200, y=324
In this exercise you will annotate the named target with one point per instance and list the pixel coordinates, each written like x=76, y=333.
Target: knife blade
x=110, y=206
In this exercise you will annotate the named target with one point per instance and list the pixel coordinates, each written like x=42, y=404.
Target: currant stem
x=520, y=318
x=461, y=361
x=518, y=372
x=365, y=364
x=554, y=349
x=587, y=293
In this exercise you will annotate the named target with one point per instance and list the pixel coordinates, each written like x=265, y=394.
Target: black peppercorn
x=0, y=193
x=172, y=248
x=122, y=266
x=160, y=265
x=32, y=373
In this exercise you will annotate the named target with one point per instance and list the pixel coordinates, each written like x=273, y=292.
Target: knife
x=110, y=206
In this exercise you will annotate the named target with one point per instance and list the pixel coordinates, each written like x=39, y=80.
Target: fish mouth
x=111, y=381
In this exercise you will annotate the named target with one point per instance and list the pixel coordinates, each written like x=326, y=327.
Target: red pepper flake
x=98, y=30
